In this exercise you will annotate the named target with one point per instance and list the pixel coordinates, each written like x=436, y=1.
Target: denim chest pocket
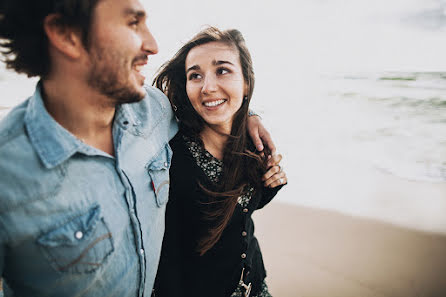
x=158, y=170
x=81, y=245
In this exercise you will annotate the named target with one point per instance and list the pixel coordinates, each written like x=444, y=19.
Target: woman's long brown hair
x=242, y=167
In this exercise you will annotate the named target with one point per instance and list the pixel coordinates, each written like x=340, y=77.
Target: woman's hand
x=275, y=176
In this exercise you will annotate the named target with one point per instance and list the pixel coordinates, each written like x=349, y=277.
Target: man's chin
x=133, y=98
x=141, y=92
x=124, y=96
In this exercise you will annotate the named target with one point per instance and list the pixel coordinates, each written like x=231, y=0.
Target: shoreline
x=317, y=253
x=352, y=187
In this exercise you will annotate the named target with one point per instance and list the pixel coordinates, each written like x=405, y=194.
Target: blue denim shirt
x=75, y=221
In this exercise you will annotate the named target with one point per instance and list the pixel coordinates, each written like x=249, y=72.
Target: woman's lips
x=214, y=103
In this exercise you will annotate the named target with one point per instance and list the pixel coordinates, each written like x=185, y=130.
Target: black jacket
x=182, y=271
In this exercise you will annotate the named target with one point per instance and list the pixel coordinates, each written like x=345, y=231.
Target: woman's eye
x=193, y=76
x=222, y=71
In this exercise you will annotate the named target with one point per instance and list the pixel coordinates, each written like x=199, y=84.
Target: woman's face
x=214, y=83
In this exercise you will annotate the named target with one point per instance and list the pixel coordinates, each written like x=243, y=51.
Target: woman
x=217, y=178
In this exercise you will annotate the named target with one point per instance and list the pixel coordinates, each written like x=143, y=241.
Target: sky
x=316, y=36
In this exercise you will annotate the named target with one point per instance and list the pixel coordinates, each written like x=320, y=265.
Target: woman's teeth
x=214, y=103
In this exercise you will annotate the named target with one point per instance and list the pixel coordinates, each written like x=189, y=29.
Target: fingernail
x=260, y=147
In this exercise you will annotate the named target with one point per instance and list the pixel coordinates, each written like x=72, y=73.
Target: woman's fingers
x=274, y=160
x=271, y=171
x=275, y=176
x=276, y=180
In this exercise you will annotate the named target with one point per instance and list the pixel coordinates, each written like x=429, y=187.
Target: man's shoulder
x=155, y=112
x=154, y=101
x=157, y=98
x=12, y=126
x=20, y=167
x=156, y=94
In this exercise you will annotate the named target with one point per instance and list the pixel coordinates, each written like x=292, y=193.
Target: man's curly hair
x=23, y=42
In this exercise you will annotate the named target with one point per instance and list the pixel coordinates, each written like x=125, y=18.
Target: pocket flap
x=161, y=160
x=80, y=245
x=158, y=171
x=74, y=231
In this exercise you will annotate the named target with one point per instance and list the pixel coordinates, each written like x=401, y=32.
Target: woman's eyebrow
x=195, y=67
x=215, y=63
x=220, y=62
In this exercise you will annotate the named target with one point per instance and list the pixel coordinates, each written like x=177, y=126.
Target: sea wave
x=402, y=127
x=429, y=19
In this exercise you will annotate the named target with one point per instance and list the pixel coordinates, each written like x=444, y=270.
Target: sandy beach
x=314, y=253
x=319, y=253
x=311, y=252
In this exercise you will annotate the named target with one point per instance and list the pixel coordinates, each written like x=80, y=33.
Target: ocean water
x=402, y=128
x=349, y=89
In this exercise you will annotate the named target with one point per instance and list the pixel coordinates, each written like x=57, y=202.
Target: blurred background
x=354, y=94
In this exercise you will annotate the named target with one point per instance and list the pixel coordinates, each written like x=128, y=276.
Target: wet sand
x=314, y=253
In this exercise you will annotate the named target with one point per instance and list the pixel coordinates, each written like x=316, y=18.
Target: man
x=85, y=160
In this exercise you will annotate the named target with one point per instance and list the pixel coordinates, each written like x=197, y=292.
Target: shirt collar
x=53, y=143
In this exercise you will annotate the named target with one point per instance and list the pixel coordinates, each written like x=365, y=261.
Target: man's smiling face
x=120, y=45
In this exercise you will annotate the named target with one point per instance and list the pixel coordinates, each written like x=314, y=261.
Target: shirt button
x=243, y=256
x=165, y=164
x=245, y=210
x=125, y=123
x=79, y=235
x=141, y=251
x=244, y=233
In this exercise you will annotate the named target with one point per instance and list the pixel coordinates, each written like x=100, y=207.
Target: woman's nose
x=210, y=84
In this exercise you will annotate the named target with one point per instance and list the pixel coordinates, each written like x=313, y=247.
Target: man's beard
x=108, y=75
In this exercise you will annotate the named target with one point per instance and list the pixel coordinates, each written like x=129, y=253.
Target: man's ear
x=65, y=39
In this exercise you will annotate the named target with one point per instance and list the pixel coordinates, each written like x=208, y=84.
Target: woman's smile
x=214, y=103
x=214, y=83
